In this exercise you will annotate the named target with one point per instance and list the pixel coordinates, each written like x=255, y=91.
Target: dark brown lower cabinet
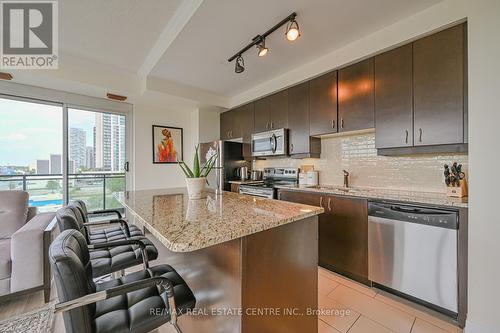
x=305, y=198
x=343, y=232
x=343, y=237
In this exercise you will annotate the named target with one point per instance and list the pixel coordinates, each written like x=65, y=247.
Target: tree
x=53, y=185
x=115, y=184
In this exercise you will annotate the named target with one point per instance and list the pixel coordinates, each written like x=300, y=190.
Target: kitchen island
x=251, y=262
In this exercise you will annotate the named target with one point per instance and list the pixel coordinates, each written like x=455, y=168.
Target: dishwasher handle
x=414, y=210
x=414, y=214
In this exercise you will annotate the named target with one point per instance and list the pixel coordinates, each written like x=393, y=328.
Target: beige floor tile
x=335, y=314
x=366, y=325
x=347, y=282
x=422, y=326
x=325, y=328
x=389, y=316
x=325, y=285
x=417, y=311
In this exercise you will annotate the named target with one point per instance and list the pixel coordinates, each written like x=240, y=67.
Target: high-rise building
x=42, y=167
x=90, y=158
x=71, y=167
x=109, y=141
x=55, y=164
x=78, y=147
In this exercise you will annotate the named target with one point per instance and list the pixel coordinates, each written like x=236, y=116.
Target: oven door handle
x=255, y=194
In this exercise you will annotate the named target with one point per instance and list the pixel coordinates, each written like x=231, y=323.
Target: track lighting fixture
x=292, y=33
x=262, y=48
x=239, y=66
x=292, y=30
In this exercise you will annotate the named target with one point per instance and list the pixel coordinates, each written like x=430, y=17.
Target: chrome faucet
x=346, y=179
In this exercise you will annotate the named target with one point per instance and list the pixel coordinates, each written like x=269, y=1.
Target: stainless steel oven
x=270, y=143
x=272, y=178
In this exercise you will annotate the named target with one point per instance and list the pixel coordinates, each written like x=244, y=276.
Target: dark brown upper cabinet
x=278, y=106
x=298, y=119
x=323, y=104
x=237, y=123
x=438, y=87
x=271, y=112
x=300, y=143
x=356, y=96
x=394, y=98
x=226, y=124
x=262, y=115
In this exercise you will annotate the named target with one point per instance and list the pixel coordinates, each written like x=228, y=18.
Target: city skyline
x=29, y=134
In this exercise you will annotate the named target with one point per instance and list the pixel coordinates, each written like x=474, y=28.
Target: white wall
x=209, y=124
x=484, y=154
x=146, y=174
x=199, y=125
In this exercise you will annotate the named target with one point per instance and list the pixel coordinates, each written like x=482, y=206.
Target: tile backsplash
x=357, y=154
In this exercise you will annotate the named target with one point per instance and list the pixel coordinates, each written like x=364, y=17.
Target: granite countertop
x=184, y=225
x=416, y=197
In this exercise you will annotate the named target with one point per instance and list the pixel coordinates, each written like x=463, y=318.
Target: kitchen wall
x=484, y=116
x=357, y=154
x=146, y=174
x=199, y=124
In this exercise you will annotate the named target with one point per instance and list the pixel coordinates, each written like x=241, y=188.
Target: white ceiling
x=180, y=47
x=219, y=28
x=119, y=33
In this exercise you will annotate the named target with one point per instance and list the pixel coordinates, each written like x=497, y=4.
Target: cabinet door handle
x=342, y=123
x=406, y=137
x=329, y=206
x=333, y=123
x=291, y=147
x=420, y=135
x=321, y=202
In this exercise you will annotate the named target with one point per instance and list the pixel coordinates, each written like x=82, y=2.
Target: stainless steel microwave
x=270, y=143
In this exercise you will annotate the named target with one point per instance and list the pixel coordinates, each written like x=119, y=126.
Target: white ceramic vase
x=196, y=187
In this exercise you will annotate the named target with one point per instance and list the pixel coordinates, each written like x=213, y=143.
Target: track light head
x=292, y=30
x=239, y=65
x=292, y=33
x=262, y=48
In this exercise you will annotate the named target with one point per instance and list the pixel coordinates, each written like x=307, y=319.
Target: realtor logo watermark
x=29, y=33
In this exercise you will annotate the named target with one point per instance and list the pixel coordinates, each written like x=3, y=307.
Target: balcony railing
x=46, y=191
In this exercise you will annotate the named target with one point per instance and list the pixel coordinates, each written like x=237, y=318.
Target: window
x=96, y=152
x=32, y=158
x=31, y=144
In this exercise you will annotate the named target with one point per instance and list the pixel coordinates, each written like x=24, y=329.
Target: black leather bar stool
x=122, y=227
x=137, y=302
x=119, y=251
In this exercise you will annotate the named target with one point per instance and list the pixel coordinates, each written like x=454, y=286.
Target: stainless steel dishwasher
x=413, y=251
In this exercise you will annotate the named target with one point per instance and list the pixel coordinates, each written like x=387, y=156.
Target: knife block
x=458, y=191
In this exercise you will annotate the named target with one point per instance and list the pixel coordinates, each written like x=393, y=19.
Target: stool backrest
x=70, y=261
x=69, y=217
x=82, y=207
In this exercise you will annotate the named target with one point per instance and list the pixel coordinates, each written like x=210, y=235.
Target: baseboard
x=471, y=327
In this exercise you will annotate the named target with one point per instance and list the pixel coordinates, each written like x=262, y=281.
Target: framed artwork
x=167, y=144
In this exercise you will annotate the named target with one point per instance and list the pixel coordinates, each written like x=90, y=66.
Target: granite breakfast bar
x=251, y=262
